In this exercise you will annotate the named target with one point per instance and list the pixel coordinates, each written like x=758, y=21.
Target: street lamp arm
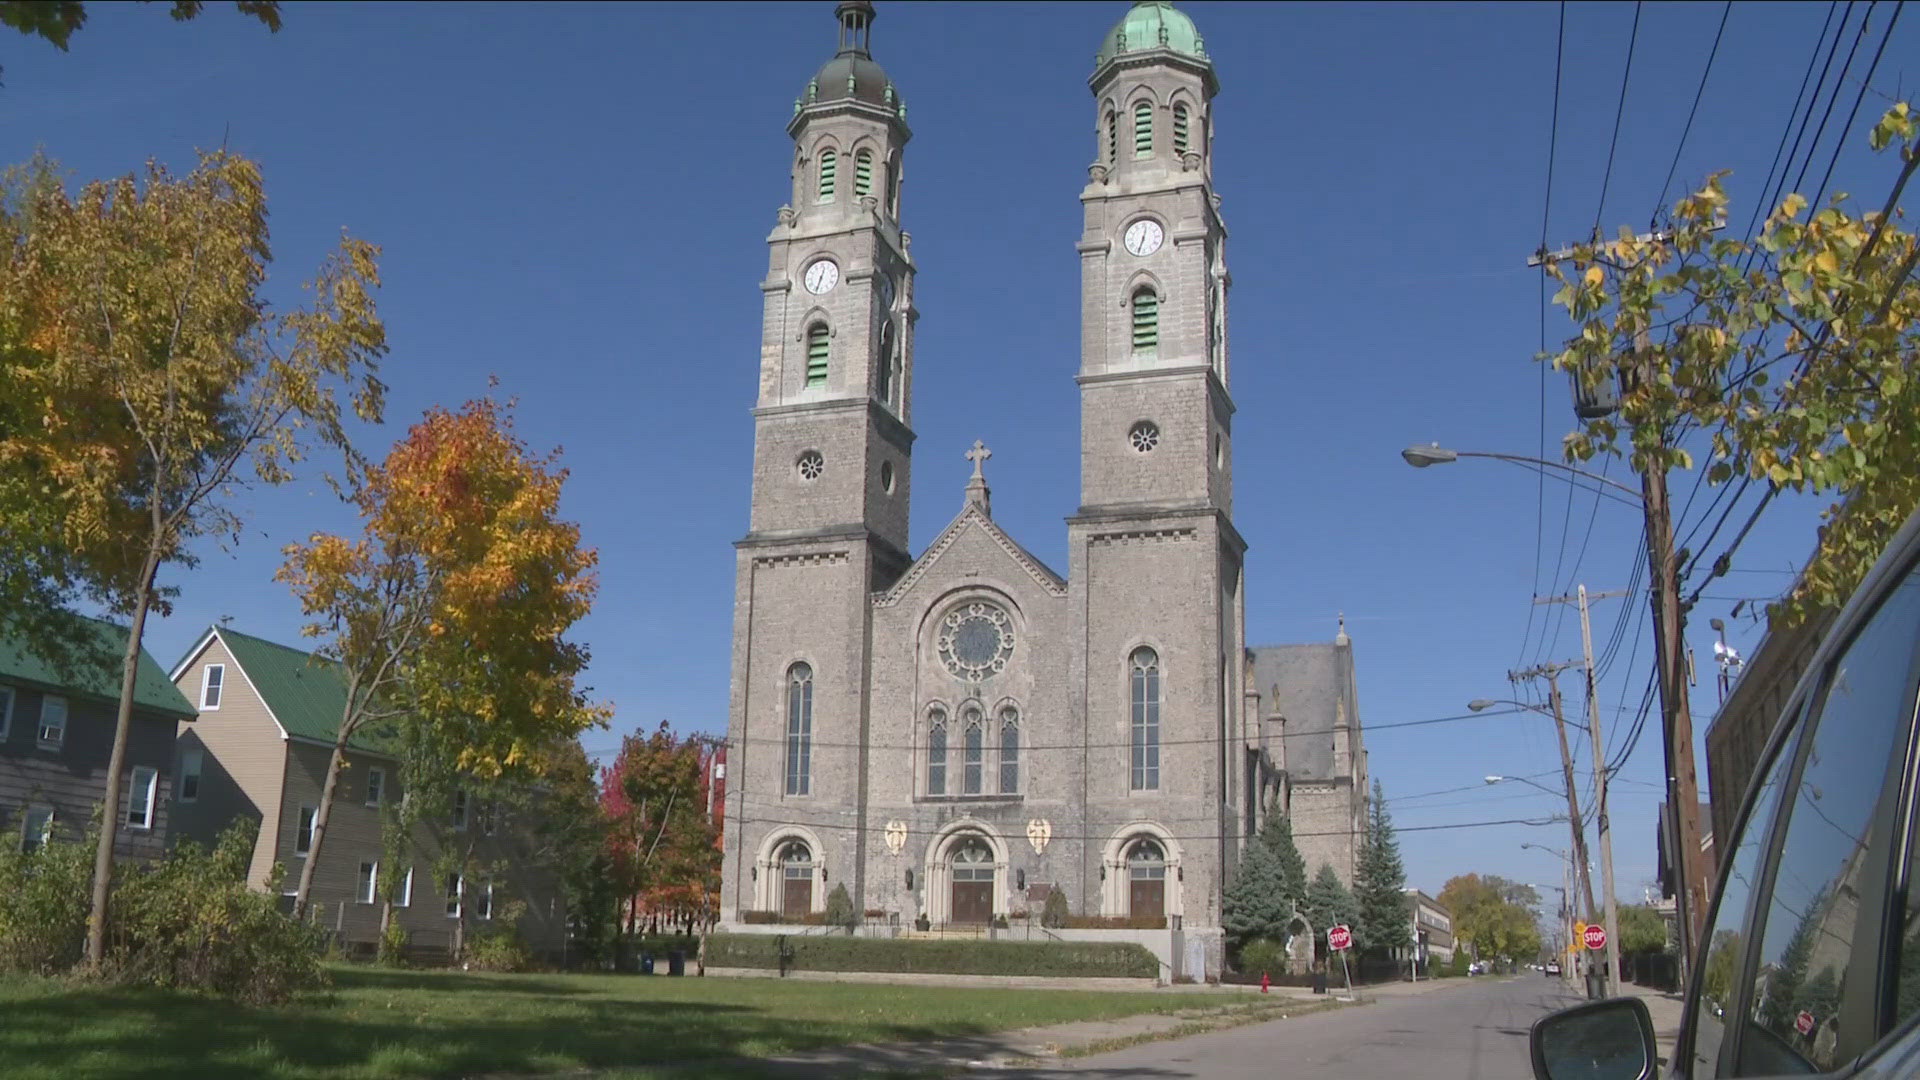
x=1422, y=456
x=1482, y=704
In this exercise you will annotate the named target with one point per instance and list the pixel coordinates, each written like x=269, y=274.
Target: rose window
x=811, y=465
x=976, y=639
x=1144, y=436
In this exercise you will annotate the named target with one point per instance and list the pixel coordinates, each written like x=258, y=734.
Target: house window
x=456, y=888
x=38, y=830
x=484, y=811
x=828, y=162
x=799, y=729
x=1145, y=679
x=937, y=752
x=191, y=762
x=140, y=794
x=303, y=840
x=819, y=351
x=1142, y=130
x=376, y=785
x=1146, y=321
x=974, y=752
x=211, y=679
x=1009, y=750
x=863, y=173
x=6, y=711
x=483, y=902
x=369, y=881
x=1179, y=129
x=459, y=816
x=53, y=721
x=404, y=896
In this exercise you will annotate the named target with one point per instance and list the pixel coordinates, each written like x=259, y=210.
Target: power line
x=1546, y=212
x=1626, y=73
x=1666, y=185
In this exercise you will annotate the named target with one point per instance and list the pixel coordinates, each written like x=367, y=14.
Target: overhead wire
x=1546, y=214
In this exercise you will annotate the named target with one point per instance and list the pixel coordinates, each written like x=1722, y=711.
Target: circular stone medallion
x=976, y=639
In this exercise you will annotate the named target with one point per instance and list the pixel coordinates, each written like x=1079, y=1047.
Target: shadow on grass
x=361, y=977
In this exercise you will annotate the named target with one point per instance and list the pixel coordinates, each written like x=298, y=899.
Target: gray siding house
x=56, y=739
x=267, y=719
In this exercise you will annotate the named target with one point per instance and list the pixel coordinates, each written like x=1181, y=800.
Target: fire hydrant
x=1264, y=982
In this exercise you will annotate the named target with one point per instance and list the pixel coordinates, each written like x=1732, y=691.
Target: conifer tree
x=1379, y=884
x=1255, y=905
x=1329, y=904
x=1277, y=838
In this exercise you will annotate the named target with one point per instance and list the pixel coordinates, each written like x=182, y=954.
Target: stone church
x=952, y=734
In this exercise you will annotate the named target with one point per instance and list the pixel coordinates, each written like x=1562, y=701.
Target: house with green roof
x=268, y=715
x=57, y=714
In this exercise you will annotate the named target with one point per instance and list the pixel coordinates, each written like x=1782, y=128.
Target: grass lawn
x=378, y=1023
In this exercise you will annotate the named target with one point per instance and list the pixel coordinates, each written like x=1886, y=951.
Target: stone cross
x=978, y=455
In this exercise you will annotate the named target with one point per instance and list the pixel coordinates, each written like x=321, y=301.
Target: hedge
x=1066, y=959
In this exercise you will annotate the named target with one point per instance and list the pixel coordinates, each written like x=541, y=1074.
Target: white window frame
x=149, y=789
x=484, y=909
x=6, y=711
x=369, y=882
x=405, y=898
x=376, y=785
x=303, y=831
x=456, y=894
x=46, y=827
x=459, y=816
x=192, y=762
x=59, y=738
x=218, y=686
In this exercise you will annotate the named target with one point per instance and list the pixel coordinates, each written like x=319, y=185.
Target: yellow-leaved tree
x=148, y=379
x=450, y=610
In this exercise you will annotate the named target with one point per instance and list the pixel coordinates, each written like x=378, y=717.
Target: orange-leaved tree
x=662, y=844
x=152, y=379
x=451, y=609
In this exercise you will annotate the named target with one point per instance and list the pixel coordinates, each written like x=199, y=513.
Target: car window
x=1853, y=769
x=1726, y=946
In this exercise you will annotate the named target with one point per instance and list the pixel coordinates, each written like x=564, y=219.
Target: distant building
x=1312, y=762
x=1433, y=926
x=56, y=740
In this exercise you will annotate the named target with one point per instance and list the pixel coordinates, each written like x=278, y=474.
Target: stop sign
x=1803, y=1023
x=1595, y=936
x=1339, y=937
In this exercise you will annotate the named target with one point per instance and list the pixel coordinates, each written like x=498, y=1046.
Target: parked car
x=1552, y=969
x=1811, y=960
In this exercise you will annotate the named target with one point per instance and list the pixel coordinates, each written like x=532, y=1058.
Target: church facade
x=952, y=734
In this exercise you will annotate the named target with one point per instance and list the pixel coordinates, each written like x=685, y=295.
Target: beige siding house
x=267, y=718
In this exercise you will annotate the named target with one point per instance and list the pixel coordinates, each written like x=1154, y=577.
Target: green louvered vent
x=1146, y=321
x=1113, y=138
x=817, y=355
x=1179, y=129
x=1143, y=130
x=863, y=173
x=828, y=159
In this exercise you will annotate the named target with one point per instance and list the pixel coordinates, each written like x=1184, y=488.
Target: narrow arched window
x=863, y=173
x=828, y=162
x=1146, y=320
x=799, y=729
x=974, y=754
x=1113, y=137
x=937, y=752
x=1179, y=129
x=818, y=351
x=1009, y=750
x=1144, y=678
x=1142, y=130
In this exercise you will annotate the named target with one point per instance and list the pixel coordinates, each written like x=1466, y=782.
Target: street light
x=1483, y=704
x=1521, y=780
x=1670, y=661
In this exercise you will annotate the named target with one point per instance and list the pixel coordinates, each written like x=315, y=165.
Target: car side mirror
x=1600, y=1040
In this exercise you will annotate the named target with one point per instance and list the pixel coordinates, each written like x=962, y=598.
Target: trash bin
x=1319, y=982
x=676, y=962
x=646, y=963
x=1596, y=984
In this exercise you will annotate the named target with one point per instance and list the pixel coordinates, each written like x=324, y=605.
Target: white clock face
x=822, y=276
x=1143, y=237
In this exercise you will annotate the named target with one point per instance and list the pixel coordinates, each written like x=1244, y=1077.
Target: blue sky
x=574, y=198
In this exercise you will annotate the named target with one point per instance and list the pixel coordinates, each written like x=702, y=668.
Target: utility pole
x=1599, y=781
x=1584, y=877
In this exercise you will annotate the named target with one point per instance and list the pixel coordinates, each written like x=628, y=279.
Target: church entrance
x=1146, y=880
x=796, y=880
x=972, y=882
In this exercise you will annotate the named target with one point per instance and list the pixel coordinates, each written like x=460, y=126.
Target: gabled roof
x=1053, y=583
x=101, y=681
x=304, y=692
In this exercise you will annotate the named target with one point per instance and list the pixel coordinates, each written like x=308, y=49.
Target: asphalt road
x=1472, y=1028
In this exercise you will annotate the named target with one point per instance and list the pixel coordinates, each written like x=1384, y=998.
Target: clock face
x=886, y=292
x=822, y=276
x=1143, y=237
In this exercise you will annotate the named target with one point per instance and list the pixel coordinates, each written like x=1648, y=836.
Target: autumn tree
x=1642, y=930
x=153, y=380
x=1793, y=354
x=663, y=845
x=450, y=610
x=1491, y=914
x=56, y=21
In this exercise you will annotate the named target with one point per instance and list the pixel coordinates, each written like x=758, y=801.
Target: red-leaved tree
x=664, y=847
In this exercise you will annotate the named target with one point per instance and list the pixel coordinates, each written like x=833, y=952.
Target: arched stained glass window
x=937, y=751
x=1144, y=678
x=799, y=729
x=1009, y=750
x=973, y=753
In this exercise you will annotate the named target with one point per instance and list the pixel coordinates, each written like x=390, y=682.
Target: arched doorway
x=796, y=879
x=1146, y=879
x=972, y=881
